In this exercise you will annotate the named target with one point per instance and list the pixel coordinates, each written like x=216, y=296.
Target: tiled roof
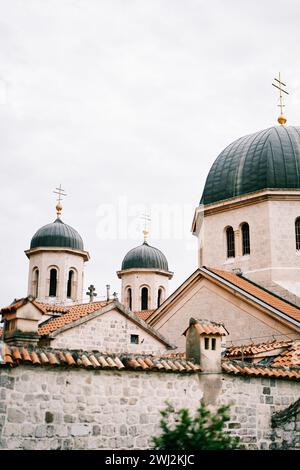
x=241, y=368
x=19, y=303
x=73, y=313
x=261, y=294
x=13, y=356
x=144, y=314
x=252, y=349
x=207, y=327
x=290, y=357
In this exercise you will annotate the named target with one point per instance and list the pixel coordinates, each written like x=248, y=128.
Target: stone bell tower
x=56, y=262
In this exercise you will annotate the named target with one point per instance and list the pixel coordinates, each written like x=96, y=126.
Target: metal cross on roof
x=147, y=219
x=91, y=292
x=60, y=192
x=279, y=85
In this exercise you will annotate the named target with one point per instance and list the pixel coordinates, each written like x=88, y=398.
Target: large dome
x=267, y=159
x=57, y=234
x=145, y=256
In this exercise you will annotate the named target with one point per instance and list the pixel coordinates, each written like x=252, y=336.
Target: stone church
x=77, y=375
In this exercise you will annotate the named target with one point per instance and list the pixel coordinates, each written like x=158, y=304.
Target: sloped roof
x=144, y=314
x=290, y=357
x=70, y=315
x=258, y=370
x=253, y=349
x=261, y=294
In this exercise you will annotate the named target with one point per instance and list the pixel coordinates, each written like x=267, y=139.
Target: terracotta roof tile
x=144, y=314
x=252, y=349
x=235, y=367
x=207, y=327
x=261, y=294
x=47, y=357
x=290, y=357
x=70, y=314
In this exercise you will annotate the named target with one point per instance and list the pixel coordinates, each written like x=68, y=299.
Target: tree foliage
x=204, y=431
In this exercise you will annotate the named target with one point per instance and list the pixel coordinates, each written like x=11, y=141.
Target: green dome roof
x=145, y=256
x=266, y=159
x=57, y=234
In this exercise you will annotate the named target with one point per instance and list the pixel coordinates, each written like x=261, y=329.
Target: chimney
x=107, y=292
x=21, y=322
x=203, y=343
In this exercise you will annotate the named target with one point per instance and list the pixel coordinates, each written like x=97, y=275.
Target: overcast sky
x=127, y=103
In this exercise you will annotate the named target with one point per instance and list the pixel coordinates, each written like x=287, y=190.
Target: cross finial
x=91, y=292
x=60, y=192
x=146, y=219
x=279, y=84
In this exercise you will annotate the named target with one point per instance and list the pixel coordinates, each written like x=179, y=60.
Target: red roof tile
x=14, y=356
x=239, y=368
x=252, y=349
x=72, y=313
x=290, y=357
x=267, y=297
x=144, y=314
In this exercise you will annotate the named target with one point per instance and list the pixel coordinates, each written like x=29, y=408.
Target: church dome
x=57, y=234
x=268, y=159
x=145, y=256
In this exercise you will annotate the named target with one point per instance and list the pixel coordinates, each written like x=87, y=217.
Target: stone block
x=269, y=400
x=96, y=430
x=123, y=430
x=69, y=419
x=27, y=430
x=266, y=391
x=14, y=415
x=41, y=431
x=80, y=430
x=6, y=381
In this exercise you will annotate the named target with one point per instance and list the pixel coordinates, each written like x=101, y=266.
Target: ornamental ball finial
x=281, y=120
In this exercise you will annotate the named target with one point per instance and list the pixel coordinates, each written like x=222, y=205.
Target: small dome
x=145, y=256
x=57, y=234
x=268, y=159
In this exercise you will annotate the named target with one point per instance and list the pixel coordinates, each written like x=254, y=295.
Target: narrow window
x=213, y=344
x=70, y=284
x=129, y=298
x=35, y=283
x=206, y=343
x=297, y=233
x=134, y=339
x=230, y=242
x=53, y=282
x=159, y=297
x=246, y=239
x=144, y=303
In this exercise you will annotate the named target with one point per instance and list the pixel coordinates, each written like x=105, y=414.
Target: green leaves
x=204, y=431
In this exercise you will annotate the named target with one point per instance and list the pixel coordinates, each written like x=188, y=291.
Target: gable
x=108, y=331
x=204, y=298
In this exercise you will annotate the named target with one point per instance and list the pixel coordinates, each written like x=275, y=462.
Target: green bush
x=204, y=431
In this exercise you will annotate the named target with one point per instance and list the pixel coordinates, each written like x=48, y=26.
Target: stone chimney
x=203, y=343
x=21, y=321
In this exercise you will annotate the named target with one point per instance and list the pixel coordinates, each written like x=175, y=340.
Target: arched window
x=246, y=239
x=297, y=233
x=70, y=284
x=144, y=303
x=230, y=242
x=53, y=282
x=160, y=296
x=129, y=298
x=35, y=282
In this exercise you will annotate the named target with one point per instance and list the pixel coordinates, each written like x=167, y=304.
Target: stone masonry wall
x=56, y=408
x=110, y=332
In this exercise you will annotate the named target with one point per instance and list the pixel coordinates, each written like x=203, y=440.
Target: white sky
x=127, y=103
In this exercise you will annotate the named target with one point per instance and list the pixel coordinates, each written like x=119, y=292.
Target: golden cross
x=146, y=219
x=279, y=85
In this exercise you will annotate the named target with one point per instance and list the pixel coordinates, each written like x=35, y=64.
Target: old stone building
x=94, y=375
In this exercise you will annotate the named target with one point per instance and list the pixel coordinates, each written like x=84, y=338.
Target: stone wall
x=55, y=408
x=44, y=408
x=110, y=332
